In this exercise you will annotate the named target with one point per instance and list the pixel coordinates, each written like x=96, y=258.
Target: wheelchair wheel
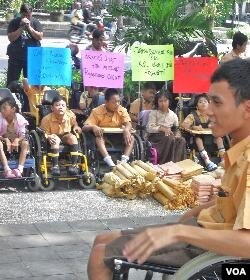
x=88, y=182
x=47, y=185
x=205, y=267
x=36, y=150
x=138, y=151
x=36, y=184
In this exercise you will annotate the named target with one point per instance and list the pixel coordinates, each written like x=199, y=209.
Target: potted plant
x=56, y=8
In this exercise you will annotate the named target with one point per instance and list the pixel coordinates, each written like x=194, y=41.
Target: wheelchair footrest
x=13, y=163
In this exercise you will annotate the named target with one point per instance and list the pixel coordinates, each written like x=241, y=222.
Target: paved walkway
x=49, y=235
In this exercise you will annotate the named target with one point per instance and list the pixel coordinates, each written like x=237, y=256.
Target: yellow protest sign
x=152, y=62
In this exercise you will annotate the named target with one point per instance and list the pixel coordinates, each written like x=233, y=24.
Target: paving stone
x=88, y=236
x=4, y=244
x=5, y=230
x=36, y=254
x=9, y=256
x=26, y=241
x=56, y=277
x=77, y=265
x=118, y=223
x=54, y=227
x=14, y=270
x=88, y=225
x=48, y=267
x=23, y=229
x=73, y=251
x=62, y=238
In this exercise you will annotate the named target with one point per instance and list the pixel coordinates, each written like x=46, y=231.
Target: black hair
x=110, y=92
x=236, y=72
x=158, y=95
x=97, y=34
x=25, y=8
x=10, y=101
x=198, y=97
x=239, y=39
x=58, y=98
x=15, y=86
x=149, y=85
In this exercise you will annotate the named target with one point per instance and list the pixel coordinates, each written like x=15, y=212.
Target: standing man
x=23, y=32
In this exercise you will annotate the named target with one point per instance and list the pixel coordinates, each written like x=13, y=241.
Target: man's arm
x=13, y=36
x=219, y=241
x=37, y=35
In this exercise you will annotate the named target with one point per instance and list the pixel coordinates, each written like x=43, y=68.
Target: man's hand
x=167, y=130
x=14, y=145
x=127, y=137
x=77, y=129
x=25, y=23
x=145, y=243
x=98, y=132
x=52, y=139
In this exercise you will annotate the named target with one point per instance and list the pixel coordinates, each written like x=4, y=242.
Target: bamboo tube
x=150, y=176
x=160, y=198
x=124, y=171
x=111, y=178
x=108, y=189
x=171, y=182
x=145, y=166
x=119, y=174
x=140, y=170
x=166, y=190
x=130, y=168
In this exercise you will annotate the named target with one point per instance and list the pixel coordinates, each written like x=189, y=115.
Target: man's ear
x=247, y=109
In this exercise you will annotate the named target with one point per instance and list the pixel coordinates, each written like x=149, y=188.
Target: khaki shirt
x=190, y=121
x=232, y=211
x=135, y=106
x=51, y=125
x=101, y=117
x=158, y=118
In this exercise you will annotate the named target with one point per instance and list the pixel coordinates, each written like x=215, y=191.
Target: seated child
x=198, y=120
x=87, y=97
x=163, y=132
x=58, y=126
x=12, y=134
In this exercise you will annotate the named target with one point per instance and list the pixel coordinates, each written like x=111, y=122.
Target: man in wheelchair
x=110, y=114
x=12, y=136
x=222, y=225
x=58, y=126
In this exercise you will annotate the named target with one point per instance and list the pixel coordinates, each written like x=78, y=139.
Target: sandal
x=211, y=166
x=9, y=174
x=17, y=173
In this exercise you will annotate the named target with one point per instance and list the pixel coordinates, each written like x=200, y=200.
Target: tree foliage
x=163, y=22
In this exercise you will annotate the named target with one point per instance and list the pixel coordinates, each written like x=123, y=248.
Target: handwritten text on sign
x=152, y=63
x=192, y=74
x=102, y=69
x=49, y=66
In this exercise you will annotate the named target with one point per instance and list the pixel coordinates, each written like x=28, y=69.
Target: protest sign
x=102, y=69
x=152, y=62
x=192, y=74
x=49, y=66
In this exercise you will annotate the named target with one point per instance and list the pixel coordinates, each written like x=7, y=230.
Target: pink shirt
x=20, y=124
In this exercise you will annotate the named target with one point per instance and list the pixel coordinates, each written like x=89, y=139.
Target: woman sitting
x=198, y=120
x=163, y=131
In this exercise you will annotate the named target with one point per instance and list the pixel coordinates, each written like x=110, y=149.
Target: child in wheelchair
x=198, y=120
x=58, y=126
x=12, y=137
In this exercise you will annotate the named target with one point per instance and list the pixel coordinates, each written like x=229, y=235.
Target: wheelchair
x=84, y=178
x=207, y=266
x=95, y=159
x=30, y=177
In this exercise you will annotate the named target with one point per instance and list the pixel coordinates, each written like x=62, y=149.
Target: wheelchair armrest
x=41, y=132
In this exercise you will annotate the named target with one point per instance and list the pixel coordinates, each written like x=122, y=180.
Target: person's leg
x=96, y=266
x=204, y=155
x=22, y=157
x=7, y=171
x=15, y=67
x=54, y=154
x=179, y=147
x=128, y=149
x=83, y=27
x=100, y=143
x=71, y=140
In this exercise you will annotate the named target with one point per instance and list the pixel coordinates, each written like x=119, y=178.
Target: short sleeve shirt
x=190, y=120
x=19, y=47
x=101, y=117
x=232, y=211
x=51, y=125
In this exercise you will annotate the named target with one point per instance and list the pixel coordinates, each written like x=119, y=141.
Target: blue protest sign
x=49, y=66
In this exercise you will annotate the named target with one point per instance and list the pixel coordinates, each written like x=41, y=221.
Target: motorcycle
x=75, y=32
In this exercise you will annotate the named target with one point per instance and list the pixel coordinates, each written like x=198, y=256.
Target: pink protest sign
x=102, y=69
